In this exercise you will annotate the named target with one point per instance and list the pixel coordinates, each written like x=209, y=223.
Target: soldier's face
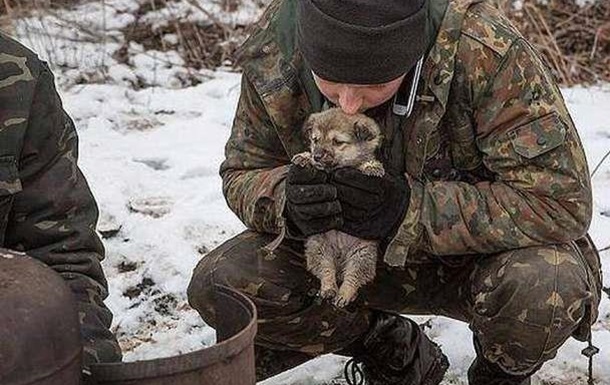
x=353, y=98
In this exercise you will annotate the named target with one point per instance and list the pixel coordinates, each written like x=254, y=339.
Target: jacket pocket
x=539, y=136
x=10, y=184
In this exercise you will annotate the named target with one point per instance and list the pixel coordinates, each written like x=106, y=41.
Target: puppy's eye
x=337, y=142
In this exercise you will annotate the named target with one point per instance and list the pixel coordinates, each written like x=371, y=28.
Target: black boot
x=395, y=351
x=271, y=362
x=483, y=372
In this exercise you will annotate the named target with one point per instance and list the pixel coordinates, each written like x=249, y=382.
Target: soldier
x=47, y=231
x=483, y=214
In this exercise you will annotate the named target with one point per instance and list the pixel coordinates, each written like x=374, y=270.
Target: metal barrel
x=229, y=362
x=40, y=341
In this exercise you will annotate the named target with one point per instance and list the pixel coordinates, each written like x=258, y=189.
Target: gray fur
x=340, y=140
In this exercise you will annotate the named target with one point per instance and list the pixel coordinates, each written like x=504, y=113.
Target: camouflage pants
x=521, y=305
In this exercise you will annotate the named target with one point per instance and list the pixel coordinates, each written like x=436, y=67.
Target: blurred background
x=573, y=35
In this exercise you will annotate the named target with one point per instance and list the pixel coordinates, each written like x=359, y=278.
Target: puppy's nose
x=317, y=156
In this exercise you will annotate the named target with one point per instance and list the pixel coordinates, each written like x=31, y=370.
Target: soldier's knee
x=232, y=264
x=526, y=304
x=200, y=291
x=40, y=336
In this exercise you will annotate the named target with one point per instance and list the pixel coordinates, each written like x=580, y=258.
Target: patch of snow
x=584, y=3
x=192, y=125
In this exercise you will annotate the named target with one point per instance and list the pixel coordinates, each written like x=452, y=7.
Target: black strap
x=589, y=352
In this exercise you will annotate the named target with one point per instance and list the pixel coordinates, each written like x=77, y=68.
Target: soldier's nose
x=350, y=100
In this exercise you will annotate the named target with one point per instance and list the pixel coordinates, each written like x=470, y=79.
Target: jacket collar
x=439, y=66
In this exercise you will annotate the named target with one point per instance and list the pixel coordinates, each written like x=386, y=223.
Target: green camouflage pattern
x=491, y=153
x=522, y=304
x=499, y=208
x=46, y=207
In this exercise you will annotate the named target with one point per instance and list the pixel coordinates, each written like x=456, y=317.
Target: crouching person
x=53, y=321
x=482, y=214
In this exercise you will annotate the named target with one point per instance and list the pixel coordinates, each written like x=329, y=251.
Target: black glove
x=311, y=202
x=372, y=207
x=87, y=379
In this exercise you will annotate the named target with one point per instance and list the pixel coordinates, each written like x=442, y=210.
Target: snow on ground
x=151, y=156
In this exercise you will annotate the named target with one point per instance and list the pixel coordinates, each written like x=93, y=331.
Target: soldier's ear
x=363, y=131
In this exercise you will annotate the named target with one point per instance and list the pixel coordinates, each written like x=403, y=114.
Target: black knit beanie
x=362, y=41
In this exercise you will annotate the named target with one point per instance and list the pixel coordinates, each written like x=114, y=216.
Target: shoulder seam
x=503, y=59
x=260, y=27
x=483, y=43
x=497, y=26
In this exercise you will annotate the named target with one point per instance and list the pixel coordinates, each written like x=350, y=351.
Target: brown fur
x=340, y=140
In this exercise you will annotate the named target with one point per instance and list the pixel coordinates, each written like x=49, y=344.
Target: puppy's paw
x=341, y=302
x=302, y=159
x=328, y=292
x=346, y=296
x=372, y=168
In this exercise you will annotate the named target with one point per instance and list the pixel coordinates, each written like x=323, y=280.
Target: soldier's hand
x=311, y=202
x=372, y=207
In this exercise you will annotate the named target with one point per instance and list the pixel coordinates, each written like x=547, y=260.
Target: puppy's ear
x=363, y=132
x=308, y=125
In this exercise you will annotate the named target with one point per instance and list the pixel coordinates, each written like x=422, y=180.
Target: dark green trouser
x=522, y=305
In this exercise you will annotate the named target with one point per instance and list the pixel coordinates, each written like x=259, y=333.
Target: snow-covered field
x=151, y=156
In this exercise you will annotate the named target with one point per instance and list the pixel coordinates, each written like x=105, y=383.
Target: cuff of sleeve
x=410, y=230
x=274, y=194
x=291, y=231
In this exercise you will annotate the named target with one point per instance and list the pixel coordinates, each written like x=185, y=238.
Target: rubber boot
x=395, y=351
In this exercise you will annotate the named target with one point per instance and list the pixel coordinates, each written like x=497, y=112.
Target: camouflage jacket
x=46, y=208
x=490, y=152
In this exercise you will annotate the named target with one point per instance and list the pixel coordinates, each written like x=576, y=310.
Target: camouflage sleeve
x=541, y=193
x=54, y=216
x=256, y=165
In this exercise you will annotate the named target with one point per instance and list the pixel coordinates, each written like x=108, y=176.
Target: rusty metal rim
x=189, y=361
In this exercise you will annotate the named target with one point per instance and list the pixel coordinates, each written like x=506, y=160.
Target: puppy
x=340, y=140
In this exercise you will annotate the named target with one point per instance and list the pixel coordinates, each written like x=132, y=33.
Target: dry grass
x=204, y=44
x=574, y=41
x=208, y=42
x=12, y=9
x=15, y=8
